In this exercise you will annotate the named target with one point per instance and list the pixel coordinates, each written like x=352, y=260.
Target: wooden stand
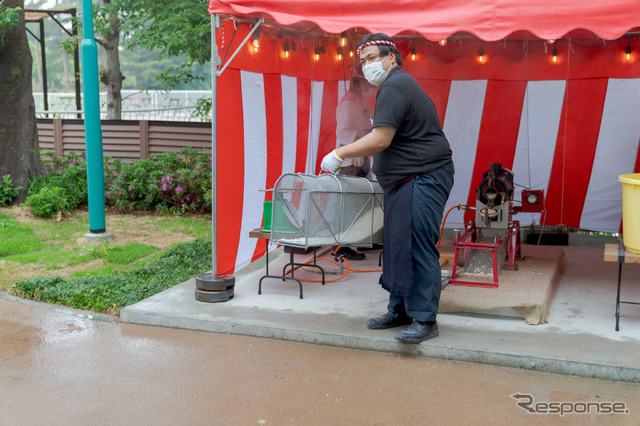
x=618, y=253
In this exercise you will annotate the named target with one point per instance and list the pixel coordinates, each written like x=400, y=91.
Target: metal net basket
x=326, y=210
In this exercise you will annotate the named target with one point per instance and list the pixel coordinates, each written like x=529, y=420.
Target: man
x=353, y=120
x=413, y=164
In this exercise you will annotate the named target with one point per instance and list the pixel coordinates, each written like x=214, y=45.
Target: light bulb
x=443, y=42
x=413, y=53
x=628, y=52
x=343, y=39
x=256, y=40
x=555, y=54
x=286, y=50
x=481, y=55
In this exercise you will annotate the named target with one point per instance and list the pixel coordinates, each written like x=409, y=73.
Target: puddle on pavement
x=17, y=339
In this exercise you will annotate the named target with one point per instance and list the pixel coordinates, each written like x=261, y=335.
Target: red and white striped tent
x=555, y=98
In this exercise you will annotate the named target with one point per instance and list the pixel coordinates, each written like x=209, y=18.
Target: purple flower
x=164, y=186
x=59, y=171
x=109, y=196
x=178, y=189
x=72, y=161
x=132, y=187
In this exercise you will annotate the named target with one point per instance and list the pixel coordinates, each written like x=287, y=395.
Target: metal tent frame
x=38, y=15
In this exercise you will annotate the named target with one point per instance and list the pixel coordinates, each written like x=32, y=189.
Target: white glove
x=331, y=162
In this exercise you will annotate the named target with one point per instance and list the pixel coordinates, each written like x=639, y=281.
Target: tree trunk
x=18, y=130
x=111, y=75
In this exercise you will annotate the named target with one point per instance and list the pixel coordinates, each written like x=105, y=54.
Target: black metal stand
x=621, y=260
x=291, y=264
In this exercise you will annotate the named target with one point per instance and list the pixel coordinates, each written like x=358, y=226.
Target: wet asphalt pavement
x=59, y=368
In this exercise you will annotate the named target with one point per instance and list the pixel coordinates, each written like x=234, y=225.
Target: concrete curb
x=386, y=343
x=64, y=309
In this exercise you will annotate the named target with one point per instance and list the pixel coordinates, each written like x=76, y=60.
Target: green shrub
x=7, y=190
x=48, y=201
x=169, y=182
x=68, y=173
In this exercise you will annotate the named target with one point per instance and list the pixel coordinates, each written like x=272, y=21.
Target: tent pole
x=215, y=23
x=210, y=287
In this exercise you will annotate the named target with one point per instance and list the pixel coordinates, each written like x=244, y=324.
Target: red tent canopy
x=561, y=115
x=489, y=20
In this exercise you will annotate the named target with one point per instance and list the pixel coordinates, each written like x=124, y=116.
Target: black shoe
x=418, y=332
x=351, y=254
x=389, y=320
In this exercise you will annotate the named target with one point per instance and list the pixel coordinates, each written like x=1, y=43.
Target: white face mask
x=375, y=73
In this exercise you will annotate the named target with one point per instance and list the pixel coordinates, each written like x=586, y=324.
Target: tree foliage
x=9, y=17
x=172, y=28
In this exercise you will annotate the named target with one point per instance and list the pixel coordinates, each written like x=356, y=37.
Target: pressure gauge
x=533, y=198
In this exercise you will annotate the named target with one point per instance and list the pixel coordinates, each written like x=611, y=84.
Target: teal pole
x=93, y=132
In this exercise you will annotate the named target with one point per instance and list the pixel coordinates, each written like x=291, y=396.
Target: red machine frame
x=467, y=242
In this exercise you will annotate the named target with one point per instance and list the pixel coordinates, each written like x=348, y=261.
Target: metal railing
x=175, y=105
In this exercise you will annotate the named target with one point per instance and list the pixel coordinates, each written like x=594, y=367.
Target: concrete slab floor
x=578, y=339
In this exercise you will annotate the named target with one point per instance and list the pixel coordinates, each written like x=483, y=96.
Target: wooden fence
x=129, y=140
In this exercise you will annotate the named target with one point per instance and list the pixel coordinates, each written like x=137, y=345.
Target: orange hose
x=319, y=281
x=444, y=221
x=347, y=270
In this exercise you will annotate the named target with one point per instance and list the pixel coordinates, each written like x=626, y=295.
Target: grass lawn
x=49, y=260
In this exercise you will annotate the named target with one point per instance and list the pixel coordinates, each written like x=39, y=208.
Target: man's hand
x=331, y=162
x=357, y=162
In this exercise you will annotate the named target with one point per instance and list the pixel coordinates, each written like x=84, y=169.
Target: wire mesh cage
x=326, y=210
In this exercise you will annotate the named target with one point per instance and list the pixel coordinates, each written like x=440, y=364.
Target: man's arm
x=378, y=140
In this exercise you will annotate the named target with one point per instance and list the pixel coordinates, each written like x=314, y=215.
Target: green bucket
x=267, y=208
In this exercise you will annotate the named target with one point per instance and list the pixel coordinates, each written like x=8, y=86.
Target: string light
x=628, y=52
x=293, y=46
x=343, y=39
x=340, y=52
x=413, y=53
x=443, y=42
x=286, y=50
x=256, y=40
x=551, y=41
x=351, y=53
x=316, y=55
x=481, y=54
x=555, y=54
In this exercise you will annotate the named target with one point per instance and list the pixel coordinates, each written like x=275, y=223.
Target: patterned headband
x=374, y=42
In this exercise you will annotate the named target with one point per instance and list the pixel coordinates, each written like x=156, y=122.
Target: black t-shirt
x=419, y=145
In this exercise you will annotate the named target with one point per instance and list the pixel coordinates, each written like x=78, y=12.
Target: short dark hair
x=384, y=49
